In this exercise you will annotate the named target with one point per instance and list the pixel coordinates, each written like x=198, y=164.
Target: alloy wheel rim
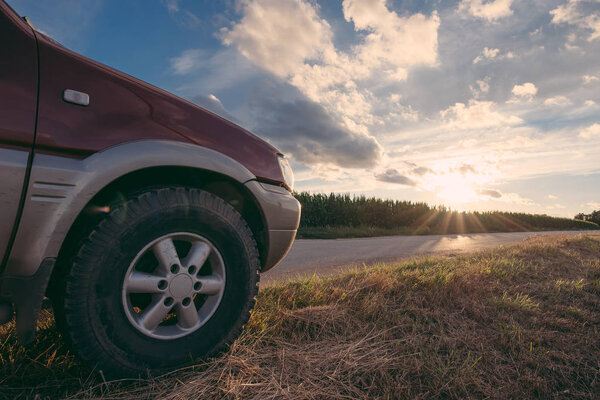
x=173, y=286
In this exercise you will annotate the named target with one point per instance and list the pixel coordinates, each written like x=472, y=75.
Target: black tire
x=91, y=312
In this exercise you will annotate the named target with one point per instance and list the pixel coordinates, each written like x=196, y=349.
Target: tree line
x=322, y=210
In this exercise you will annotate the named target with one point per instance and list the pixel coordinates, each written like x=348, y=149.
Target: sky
x=473, y=104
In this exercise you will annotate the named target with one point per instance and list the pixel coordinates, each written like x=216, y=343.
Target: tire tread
x=82, y=340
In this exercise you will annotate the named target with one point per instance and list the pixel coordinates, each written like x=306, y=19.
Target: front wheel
x=166, y=278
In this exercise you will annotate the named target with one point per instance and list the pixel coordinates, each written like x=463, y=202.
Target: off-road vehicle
x=144, y=218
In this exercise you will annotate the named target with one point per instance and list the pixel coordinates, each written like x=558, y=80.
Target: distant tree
x=594, y=216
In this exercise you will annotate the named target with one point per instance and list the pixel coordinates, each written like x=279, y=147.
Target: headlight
x=286, y=171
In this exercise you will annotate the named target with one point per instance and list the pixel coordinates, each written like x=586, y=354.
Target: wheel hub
x=179, y=295
x=181, y=286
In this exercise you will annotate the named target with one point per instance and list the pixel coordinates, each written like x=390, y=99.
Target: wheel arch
x=61, y=190
x=223, y=186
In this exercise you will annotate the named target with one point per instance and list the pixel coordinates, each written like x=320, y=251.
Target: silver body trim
x=13, y=165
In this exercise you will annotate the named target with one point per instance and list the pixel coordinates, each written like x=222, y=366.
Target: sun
x=456, y=188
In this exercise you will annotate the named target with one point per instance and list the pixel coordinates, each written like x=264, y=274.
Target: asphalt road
x=324, y=256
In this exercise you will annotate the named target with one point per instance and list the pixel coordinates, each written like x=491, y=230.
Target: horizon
x=473, y=105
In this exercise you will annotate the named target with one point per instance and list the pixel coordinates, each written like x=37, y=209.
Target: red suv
x=144, y=218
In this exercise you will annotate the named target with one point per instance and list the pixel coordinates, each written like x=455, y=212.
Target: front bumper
x=281, y=212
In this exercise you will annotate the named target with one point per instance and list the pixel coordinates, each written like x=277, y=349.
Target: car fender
x=61, y=187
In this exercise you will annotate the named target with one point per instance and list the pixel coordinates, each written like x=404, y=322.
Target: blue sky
x=476, y=104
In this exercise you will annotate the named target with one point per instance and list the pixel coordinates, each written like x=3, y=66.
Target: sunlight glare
x=456, y=188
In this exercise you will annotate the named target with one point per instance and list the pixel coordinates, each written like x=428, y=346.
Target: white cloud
x=476, y=115
x=187, y=61
x=587, y=79
x=391, y=46
x=492, y=54
x=590, y=132
x=552, y=197
x=489, y=54
x=565, y=13
x=392, y=42
x=593, y=204
x=483, y=86
x=571, y=13
x=290, y=40
x=279, y=35
x=525, y=91
x=560, y=101
x=489, y=10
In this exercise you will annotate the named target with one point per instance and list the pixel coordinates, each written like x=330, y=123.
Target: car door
x=18, y=102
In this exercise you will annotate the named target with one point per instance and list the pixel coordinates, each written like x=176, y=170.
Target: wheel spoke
x=211, y=284
x=166, y=254
x=197, y=255
x=168, y=309
x=154, y=314
x=187, y=316
x=141, y=282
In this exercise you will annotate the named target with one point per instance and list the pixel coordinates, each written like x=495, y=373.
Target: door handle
x=75, y=97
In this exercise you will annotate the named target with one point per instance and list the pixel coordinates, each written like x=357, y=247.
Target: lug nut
x=162, y=285
x=197, y=285
x=174, y=268
x=191, y=269
x=186, y=302
x=168, y=301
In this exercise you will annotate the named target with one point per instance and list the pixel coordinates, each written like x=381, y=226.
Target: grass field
x=516, y=322
x=341, y=232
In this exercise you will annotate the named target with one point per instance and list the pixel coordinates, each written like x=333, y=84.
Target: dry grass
x=517, y=322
